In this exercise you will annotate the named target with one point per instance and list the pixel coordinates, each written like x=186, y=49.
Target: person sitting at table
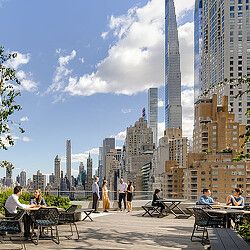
x=156, y=198
x=205, y=199
x=236, y=199
x=38, y=200
x=11, y=205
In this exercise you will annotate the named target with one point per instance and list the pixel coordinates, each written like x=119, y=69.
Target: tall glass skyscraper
x=173, y=109
x=197, y=50
x=153, y=112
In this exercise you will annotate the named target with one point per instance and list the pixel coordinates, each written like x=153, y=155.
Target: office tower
x=197, y=50
x=215, y=128
x=82, y=174
x=18, y=180
x=9, y=176
x=173, y=110
x=57, y=171
x=100, y=164
x=39, y=181
x=89, y=179
x=108, y=143
x=68, y=160
x=23, y=178
x=226, y=46
x=52, y=179
x=153, y=112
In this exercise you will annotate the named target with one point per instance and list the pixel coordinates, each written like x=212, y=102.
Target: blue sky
x=85, y=67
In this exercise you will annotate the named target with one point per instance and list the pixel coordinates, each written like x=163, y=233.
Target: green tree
x=235, y=83
x=8, y=93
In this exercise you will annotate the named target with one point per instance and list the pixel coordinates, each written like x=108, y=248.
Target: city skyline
x=47, y=113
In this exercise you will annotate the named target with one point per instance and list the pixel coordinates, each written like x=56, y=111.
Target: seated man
x=12, y=203
x=205, y=199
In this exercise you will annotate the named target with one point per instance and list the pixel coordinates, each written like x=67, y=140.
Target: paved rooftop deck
x=118, y=230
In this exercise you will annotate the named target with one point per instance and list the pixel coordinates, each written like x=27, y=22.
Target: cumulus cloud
x=120, y=136
x=135, y=60
x=26, y=79
x=24, y=119
x=104, y=35
x=62, y=73
x=182, y=6
x=27, y=139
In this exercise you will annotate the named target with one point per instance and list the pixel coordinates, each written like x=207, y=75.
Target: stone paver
x=124, y=231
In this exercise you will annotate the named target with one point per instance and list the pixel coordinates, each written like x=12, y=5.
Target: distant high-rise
x=89, y=179
x=39, y=181
x=100, y=164
x=108, y=143
x=173, y=109
x=9, y=176
x=197, y=50
x=23, y=178
x=153, y=112
x=68, y=160
x=57, y=170
x=82, y=174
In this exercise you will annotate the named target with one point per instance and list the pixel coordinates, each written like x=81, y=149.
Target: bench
x=87, y=212
x=225, y=238
x=149, y=209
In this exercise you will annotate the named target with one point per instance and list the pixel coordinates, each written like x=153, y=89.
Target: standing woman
x=105, y=196
x=38, y=199
x=130, y=190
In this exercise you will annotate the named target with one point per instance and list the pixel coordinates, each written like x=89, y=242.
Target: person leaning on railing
x=205, y=199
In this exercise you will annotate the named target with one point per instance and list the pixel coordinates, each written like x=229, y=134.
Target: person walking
x=96, y=195
x=105, y=196
x=130, y=190
x=122, y=189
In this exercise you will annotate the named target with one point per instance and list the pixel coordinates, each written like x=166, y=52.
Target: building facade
x=173, y=109
x=39, y=181
x=57, y=171
x=153, y=112
x=108, y=144
x=23, y=178
x=68, y=160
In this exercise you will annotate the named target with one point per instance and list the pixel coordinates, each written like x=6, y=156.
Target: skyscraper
x=39, y=181
x=153, y=112
x=88, y=180
x=108, y=143
x=197, y=50
x=57, y=170
x=68, y=160
x=23, y=178
x=173, y=109
x=225, y=51
x=100, y=164
x=9, y=176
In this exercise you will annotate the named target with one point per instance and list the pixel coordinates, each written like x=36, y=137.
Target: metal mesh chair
x=68, y=217
x=204, y=220
x=13, y=225
x=45, y=218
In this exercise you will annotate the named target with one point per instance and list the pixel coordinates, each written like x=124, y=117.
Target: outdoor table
x=227, y=206
x=226, y=213
x=171, y=204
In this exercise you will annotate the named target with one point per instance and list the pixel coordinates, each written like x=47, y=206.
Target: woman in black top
x=156, y=198
x=130, y=190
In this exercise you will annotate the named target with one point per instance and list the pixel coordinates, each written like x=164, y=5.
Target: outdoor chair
x=44, y=218
x=13, y=225
x=68, y=217
x=204, y=220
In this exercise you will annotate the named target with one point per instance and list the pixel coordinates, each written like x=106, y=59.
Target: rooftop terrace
x=119, y=230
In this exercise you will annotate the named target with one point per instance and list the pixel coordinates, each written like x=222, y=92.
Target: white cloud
x=62, y=73
x=18, y=61
x=27, y=139
x=104, y=35
x=81, y=59
x=26, y=80
x=135, y=60
x=23, y=119
x=182, y=6
x=126, y=110
x=120, y=136
x=160, y=103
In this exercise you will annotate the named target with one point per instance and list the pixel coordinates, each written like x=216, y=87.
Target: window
x=214, y=144
x=214, y=127
x=240, y=166
x=203, y=172
x=215, y=173
x=233, y=172
x=215, y=185
x=240, y=173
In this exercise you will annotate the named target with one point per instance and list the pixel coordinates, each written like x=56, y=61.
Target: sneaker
x=106, y=211
x=96, y=212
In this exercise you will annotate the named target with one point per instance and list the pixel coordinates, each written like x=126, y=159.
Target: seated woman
x=38, y=200
x=156, y=198
x=236, y=199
